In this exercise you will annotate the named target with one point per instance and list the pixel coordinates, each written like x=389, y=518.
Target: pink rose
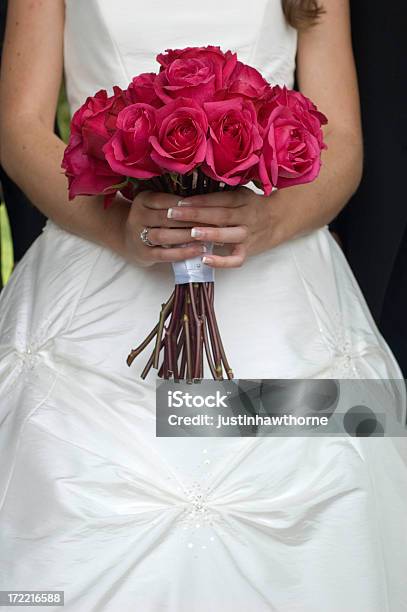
x=186, y=78
x=234, y=143
x=194, y=72
x=95, y=120
x=84, y=163
x=128, y=151
x=141, y=89
x=303, y=108
x=180, y=144
x=292, y=146
x=118, y=101
x=248, y=82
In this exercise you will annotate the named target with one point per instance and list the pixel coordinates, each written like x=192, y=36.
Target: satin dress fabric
x=91, y=501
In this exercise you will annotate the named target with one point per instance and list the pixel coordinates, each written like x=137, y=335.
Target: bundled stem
x=192, y=331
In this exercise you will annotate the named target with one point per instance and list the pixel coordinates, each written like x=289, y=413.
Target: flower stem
x=165, y=311
x=193, y=330
x=133, y=354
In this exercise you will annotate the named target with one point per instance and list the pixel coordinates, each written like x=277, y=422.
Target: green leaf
x=108, y=190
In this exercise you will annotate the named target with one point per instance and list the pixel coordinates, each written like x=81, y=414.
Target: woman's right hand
x=149, y=209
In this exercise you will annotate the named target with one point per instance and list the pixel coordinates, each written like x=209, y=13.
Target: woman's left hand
x=240, y=219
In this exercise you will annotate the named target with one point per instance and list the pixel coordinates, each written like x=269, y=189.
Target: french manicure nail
x=183, y=203
x=196, y=233
x=173, y=213
x=206, y=260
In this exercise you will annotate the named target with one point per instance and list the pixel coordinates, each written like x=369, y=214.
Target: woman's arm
x=31, y=153
x=326, y=74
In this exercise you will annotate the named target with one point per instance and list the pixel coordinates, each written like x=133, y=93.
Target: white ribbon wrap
x=194, y=270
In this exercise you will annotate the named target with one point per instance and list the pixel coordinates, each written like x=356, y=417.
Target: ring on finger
x=144, y=237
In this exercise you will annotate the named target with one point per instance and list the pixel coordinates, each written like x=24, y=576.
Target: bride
x=91, y=501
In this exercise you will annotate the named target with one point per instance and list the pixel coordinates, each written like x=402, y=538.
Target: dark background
x=373, y=225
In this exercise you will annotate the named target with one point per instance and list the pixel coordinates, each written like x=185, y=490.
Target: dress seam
x=82, y=291
x=98, y=455
x=22, y=428
x=308, y=298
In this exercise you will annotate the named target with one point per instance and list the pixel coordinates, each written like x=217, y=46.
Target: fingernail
x=183, y=203
x=173, y=213
x=207, y=260
x=196, y=233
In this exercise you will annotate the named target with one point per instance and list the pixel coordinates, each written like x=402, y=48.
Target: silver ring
x=144, y=237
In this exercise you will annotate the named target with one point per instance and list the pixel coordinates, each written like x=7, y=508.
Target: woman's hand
x=149, y=210
x=240, y=219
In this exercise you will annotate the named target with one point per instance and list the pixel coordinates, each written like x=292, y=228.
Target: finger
x=229, y=199
x=158, y=254
x=235, y=260
x=163, y=235
x=220, y=234
x=159, y=218
x=156, y=200
x=206, y=216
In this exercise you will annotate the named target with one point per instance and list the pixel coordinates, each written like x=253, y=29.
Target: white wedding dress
x=91, y=501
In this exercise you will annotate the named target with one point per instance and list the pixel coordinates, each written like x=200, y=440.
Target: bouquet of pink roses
x=205, y=122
